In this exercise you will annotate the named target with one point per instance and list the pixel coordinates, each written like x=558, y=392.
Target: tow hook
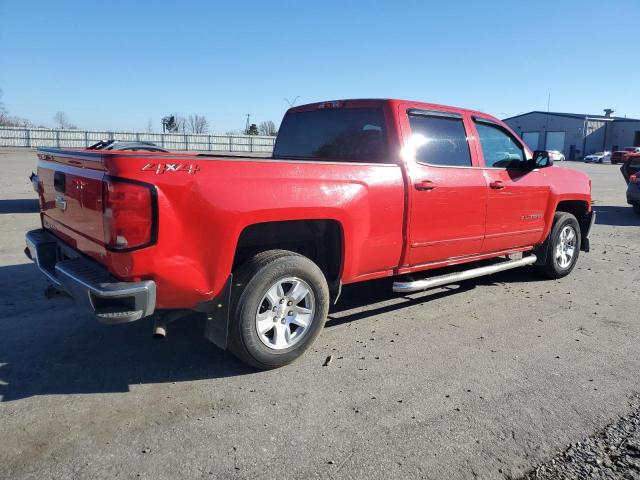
x=165, y=318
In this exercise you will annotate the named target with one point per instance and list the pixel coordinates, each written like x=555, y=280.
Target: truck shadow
x=376, y=297
x=616, y=216
x=48, y=348
x=21, y=205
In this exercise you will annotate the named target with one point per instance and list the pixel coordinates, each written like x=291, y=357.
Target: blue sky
x=117, y=65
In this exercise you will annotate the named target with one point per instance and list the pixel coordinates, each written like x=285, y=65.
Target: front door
x=447, y=195
x=517, y=195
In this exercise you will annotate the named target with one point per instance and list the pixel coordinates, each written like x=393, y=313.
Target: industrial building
x=575, y=135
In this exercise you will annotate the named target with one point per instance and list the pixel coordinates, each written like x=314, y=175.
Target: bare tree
x=62, y=121
x=20, y=122
x=4, y=115
x=181, y=124
x=197, y=124
x=268, y=128
x=12, y=121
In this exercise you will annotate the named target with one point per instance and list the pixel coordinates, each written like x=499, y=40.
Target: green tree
x=253, y=130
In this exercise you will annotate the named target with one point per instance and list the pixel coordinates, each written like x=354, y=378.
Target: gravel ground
x=487, y=379
x=613, y=453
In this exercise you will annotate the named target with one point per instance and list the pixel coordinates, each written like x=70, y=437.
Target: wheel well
x=319, y=240
x=578, y=209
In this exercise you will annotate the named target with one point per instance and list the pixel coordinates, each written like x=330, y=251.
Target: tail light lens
x=633, y=178
x=129, y=214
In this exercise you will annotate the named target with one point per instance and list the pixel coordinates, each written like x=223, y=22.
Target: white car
x=556, y=156
x=598, y=157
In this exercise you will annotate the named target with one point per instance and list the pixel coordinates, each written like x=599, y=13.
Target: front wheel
x=279, y=306
x=563, y=246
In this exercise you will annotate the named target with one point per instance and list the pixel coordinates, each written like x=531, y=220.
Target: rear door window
x=499, y=148
x=439, y=140
x=343, y=134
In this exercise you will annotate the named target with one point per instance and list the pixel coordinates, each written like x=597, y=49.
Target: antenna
x=291, y=103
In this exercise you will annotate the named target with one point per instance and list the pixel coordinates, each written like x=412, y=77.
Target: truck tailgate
x=71, y=195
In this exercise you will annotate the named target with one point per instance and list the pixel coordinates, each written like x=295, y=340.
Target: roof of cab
x=372, y=102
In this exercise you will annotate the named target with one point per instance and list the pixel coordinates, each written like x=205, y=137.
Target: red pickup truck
x=355, y=190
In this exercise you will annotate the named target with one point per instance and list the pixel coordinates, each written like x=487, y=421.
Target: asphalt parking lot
x=488, y=379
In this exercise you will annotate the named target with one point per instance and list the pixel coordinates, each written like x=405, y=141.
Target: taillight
x=129, y=214
x=633, y=178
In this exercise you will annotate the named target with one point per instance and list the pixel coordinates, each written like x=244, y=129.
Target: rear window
x=346, y=134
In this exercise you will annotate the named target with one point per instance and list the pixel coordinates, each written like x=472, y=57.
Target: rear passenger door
x=517, y=195
x=447, y=195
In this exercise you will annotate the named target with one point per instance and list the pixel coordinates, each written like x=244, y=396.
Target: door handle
x=497, y=185
x=425, y=185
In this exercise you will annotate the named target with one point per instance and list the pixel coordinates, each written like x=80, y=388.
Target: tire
x=636, y=209
x=255, y=295
x=556, y=264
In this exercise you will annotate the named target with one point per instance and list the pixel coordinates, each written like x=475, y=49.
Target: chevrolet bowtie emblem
x=61, y=203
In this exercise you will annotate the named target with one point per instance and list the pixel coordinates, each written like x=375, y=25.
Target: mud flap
x=216, y=328
x=542, y=252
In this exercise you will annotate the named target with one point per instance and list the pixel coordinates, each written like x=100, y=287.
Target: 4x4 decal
x=159, y=168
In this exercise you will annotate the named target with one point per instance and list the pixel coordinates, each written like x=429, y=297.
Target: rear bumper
x=91, y=286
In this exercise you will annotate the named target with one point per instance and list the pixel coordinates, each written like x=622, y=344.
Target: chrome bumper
x=91, y=286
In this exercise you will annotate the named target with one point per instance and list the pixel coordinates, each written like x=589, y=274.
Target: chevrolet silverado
x=355, y=190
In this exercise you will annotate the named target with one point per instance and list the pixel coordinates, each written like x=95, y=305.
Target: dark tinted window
x=440, y=140
x=349, y=134
x=499, y=148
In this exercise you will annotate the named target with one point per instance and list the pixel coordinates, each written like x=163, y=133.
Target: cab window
x=440, y=140
x=500, y=150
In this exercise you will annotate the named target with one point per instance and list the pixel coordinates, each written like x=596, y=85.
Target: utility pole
x=546, y=128
x=246, y=129
x=548, y=108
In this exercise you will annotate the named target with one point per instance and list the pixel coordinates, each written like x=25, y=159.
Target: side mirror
x=541, y=159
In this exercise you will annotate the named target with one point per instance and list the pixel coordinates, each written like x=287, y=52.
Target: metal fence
x=43, y=137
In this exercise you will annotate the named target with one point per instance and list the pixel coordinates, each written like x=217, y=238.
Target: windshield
x=630, y=149
x=347, y=134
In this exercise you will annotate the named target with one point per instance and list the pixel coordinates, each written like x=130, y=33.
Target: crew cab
x=355, y=190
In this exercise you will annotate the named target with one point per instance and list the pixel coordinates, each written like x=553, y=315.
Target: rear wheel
x=563, y=246
x=279, y=307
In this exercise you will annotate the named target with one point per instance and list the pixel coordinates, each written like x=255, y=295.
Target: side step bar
x=406, y=287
